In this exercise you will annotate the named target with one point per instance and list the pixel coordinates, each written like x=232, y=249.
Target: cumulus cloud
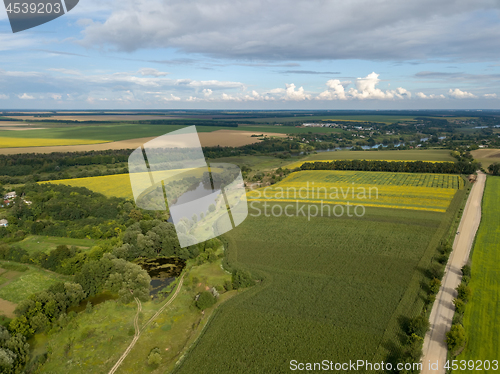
x=490, y=96
x=366, y=88
x=335, y=91
x=421, y=95
x=25, y=96
x=4, y=97
x=171, y=97
x=459, y=94
x=391, y=29
x=296, y=95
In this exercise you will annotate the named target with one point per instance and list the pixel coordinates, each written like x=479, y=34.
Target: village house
x=10, y=195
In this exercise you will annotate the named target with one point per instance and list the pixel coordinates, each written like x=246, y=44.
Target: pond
x=162, y=270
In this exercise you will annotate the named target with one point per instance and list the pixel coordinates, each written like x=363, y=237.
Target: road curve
x=434, y=348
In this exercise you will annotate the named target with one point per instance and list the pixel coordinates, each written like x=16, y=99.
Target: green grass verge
x=482, y=313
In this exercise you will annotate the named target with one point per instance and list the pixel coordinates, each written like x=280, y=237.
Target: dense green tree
x=494, y=168
x=241, y=279
x=418, y=326
x=205, y=300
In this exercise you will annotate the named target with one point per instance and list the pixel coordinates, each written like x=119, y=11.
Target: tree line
x=460, y=167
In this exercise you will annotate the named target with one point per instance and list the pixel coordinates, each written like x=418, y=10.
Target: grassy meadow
x=337, y=291
x=20, y=281
x=96, y=340
x=33, y=243
x=482, y=312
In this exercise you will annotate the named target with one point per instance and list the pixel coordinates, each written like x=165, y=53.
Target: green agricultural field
x=107, y=132
x=34, y=243
x=18, y=285
x=482, y=313
x=337, y=291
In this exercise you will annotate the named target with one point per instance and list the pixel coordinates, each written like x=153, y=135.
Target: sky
x=259, y=54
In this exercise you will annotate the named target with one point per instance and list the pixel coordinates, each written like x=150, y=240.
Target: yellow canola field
x=308, y=187
x=42, y=142
x=117, y=185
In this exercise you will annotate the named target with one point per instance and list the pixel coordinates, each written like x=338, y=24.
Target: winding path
x=138, y=329
x=435, y=349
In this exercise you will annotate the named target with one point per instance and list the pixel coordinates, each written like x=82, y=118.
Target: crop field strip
x=16, y=142
x=432, y=192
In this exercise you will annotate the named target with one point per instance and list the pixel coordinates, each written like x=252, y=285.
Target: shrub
x=442, y=259
x=436, y=271
x=466, y=270
x=434, y=285
x=154, y=357
x=459, y=306
x=418, y=326
x=455, y=338
x=463, y=292
x=88, y=308
x=228, y=286
x=431, y=298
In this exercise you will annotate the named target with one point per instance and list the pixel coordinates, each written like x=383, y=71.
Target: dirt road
x=139, y=330
x=434, y=348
